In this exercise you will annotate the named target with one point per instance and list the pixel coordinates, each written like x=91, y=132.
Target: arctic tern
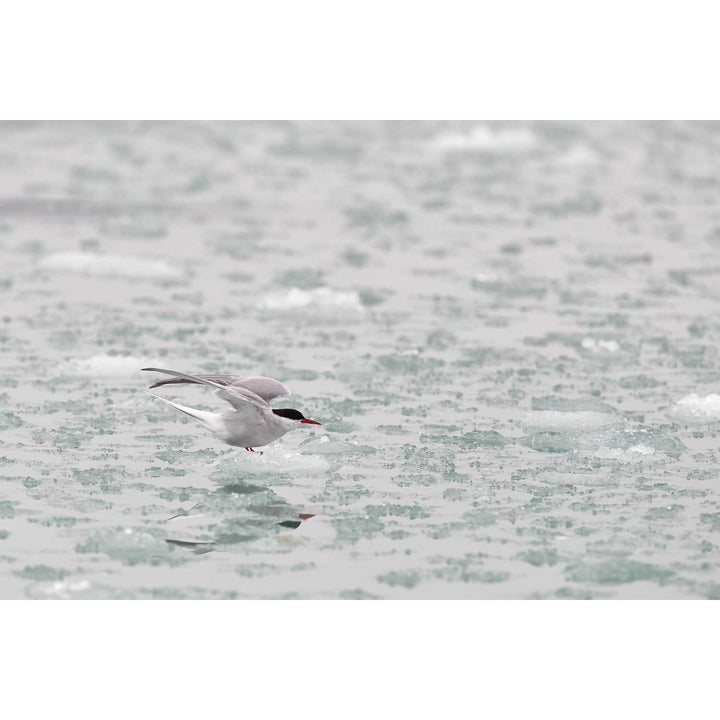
x=252, y=422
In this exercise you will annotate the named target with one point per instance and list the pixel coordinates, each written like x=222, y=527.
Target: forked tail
x=212, y=421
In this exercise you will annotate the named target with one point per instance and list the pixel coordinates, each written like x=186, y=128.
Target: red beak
x=310, y=422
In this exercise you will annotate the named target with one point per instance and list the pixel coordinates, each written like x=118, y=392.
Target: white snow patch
x=319, y=298
x=104, y=365
x=488, y=139
x=125, y=266
x=61, y=589
x=699, y=409
x=641, y=450
x=600, y=345
x=631, y=454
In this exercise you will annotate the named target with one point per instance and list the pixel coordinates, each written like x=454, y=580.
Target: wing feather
x=264, y=387
x=238, y=397
x=219, y=379
x=267, y=388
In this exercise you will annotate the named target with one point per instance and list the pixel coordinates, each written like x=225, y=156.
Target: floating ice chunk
x=559, y=421
x=599, y=345
x=130, y=545
x=578, y=155
x=628, y=445
x=319, y=298
x=104, y=365
x=125, y=266
x=344, y=448
x=631, y=454
x=482, y=277
x=60, y=590
x=563, y=404
x=699, y=409
x=487, y=139
x=642, y=450
x=611, y=443
x=274, y=461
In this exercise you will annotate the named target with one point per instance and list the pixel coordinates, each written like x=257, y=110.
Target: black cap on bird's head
x=293, y=414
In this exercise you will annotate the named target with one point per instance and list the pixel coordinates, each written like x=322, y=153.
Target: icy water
x=509, y=332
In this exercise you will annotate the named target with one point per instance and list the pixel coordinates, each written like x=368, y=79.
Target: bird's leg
x=249, y=449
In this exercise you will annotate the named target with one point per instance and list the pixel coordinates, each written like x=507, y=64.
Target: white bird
x=252, y=422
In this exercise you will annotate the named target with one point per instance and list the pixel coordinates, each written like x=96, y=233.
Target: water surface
x=509, y=332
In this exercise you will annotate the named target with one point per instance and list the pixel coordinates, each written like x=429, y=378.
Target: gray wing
x=264, y=387
x=217, y=379
x=238, y=397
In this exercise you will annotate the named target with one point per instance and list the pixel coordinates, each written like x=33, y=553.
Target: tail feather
x=209, y=419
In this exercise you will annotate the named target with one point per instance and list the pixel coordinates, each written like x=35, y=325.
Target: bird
x=252, y=422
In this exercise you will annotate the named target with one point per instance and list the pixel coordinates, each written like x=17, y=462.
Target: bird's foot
x=249, y=449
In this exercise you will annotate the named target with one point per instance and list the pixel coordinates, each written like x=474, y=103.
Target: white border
x=357, y=659
x=358, y=60
x=389, y=59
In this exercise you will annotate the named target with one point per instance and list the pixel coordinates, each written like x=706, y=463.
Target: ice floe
x=487, y=139
x=699, y=409
x=63, y=590
x=104, y=365
x=610, y=346
x=631, y=454
x=129, y=545
x=124, y=266
x=561, y=421
x=322, y=298
x=274, y=461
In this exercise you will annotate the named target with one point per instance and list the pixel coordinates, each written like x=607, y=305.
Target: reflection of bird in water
x=234, y=514
x=252, y=422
